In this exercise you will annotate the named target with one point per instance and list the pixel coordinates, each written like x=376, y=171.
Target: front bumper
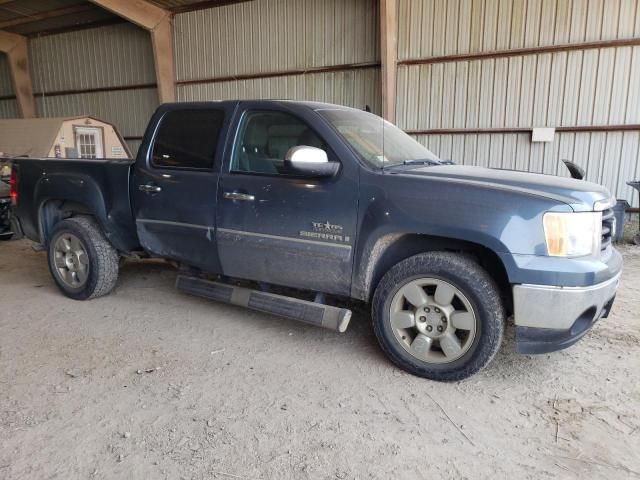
x=552, y=318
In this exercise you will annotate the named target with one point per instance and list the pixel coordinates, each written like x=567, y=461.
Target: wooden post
x=15, y=46
x=389, y=56
x=162, y=41
x=157, y=21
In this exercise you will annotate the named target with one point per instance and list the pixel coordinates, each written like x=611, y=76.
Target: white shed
x=65, y=137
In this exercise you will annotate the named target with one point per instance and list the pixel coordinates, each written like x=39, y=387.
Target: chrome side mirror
x=309, y=161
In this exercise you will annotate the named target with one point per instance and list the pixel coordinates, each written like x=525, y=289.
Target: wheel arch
x=53, y=210
x=390, y=249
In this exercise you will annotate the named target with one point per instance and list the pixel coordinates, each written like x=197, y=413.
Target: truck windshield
x=379, y=143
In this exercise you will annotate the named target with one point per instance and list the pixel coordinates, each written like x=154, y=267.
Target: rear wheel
x=82, y=262
x=438, y=315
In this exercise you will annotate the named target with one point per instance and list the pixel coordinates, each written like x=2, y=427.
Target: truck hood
x=578, y=194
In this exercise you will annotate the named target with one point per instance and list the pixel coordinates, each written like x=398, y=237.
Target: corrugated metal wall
x=355, y=88
x=580, y=87
x=432, y=28
x=116, y=56
x=8, y=106
x=216, y=44
x=8, y=109
x=328, y=50
x=6, y=88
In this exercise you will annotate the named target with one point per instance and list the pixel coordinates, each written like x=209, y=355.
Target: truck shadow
x=359, y=340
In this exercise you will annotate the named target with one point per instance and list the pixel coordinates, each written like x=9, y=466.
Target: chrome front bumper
x=542, y=306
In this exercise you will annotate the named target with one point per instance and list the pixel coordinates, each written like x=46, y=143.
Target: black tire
x=102, y=258
x=5, y=237
x=474, y=282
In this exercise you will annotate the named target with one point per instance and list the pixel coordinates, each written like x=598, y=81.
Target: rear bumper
x=552, y=318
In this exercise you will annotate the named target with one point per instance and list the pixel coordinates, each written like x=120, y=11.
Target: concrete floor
x=150, y=383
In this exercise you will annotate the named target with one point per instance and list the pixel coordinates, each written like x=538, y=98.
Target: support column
x=389, y=56
x=162, y=42
x=15, y=46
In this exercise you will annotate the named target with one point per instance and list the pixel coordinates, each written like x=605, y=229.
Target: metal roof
x=35, y=17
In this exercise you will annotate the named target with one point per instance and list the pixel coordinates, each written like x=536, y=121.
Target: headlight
x=572, y=234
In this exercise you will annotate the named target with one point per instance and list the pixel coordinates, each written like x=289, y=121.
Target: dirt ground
x=149, y=383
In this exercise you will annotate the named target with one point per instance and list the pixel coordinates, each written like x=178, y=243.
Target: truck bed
x=103, y=186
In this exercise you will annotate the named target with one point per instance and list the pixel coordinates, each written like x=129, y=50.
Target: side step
x=325, y=316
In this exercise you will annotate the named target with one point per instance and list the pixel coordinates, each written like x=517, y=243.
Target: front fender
x=506, y=222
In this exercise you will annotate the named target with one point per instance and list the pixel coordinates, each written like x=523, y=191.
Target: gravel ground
x=150, y=383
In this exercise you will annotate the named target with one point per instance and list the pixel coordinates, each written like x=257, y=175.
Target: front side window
x=188, y=139
x=266, y=137
x=379, y=143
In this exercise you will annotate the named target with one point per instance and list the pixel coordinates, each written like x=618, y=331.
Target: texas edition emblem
x=326, y=231
x=326, y=227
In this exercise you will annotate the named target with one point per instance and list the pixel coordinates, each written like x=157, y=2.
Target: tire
x=98, y=259
x=5, y=237
x=477, y=297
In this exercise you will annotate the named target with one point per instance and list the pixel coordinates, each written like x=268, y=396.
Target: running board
x=317, y=314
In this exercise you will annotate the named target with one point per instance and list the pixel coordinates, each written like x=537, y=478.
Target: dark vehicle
x=250, y=196
x=6, y=230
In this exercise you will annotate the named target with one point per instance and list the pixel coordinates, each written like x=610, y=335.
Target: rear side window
x=188, y=139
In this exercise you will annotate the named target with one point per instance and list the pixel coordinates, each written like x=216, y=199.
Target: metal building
x=469, y=78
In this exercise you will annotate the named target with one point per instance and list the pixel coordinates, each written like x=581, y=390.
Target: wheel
x=82, y=262
x=636, y=239
x=6, y=236
x=438, y=315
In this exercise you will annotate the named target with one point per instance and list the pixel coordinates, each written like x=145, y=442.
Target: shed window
x=89, y=142
x=188, y=139
x=87, y=145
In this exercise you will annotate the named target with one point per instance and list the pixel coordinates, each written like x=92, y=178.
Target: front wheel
x=438, y=315
x=82, y=262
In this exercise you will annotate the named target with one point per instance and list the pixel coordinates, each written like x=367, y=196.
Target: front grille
x=608, y=222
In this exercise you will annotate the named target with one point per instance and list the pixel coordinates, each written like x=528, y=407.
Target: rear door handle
x=239, y=196
x=149, y=188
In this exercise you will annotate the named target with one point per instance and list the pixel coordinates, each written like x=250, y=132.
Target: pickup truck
x=293, y=208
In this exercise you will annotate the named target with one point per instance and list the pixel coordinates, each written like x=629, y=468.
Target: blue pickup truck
x=297, y=209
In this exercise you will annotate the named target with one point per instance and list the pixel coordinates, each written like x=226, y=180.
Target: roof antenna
x=576, y=171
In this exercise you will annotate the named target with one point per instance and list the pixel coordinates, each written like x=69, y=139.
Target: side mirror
x=310, y=162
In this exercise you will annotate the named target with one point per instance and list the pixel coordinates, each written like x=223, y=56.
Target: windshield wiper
x=424, y=161
x=420, y=161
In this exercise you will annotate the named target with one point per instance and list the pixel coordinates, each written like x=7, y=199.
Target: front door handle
x=149, y=188
x=239, y=196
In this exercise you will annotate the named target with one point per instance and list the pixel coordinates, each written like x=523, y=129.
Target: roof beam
x=158, y=22
x=59, y=12
x=389, y=54
x=140, y=12
x=15, y=46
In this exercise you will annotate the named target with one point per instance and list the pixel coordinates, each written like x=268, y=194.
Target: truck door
x=175, y=182
x=283, y=229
